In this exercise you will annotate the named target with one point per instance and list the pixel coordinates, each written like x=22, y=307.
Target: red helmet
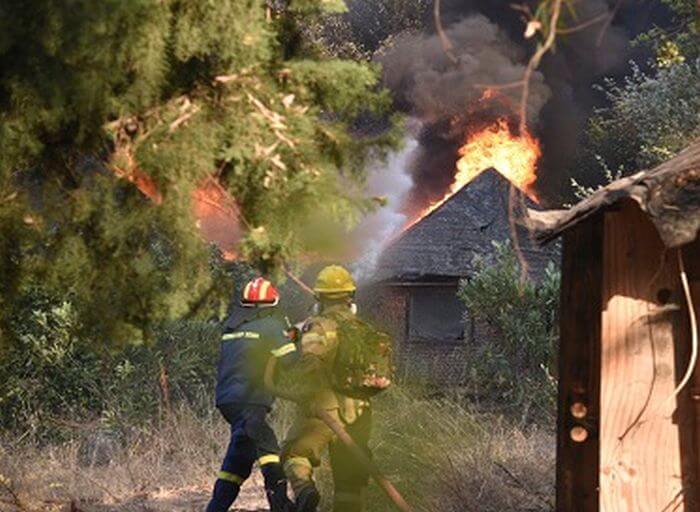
x=259, y=292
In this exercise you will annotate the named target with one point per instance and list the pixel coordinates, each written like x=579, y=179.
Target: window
x=436, y=315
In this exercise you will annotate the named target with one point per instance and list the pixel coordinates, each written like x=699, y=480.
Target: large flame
x=514, y=156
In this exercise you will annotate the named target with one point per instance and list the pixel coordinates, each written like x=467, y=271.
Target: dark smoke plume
x=428, y=84
x=488, y=40
x=445, y=96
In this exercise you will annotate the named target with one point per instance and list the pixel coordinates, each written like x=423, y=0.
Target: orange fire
x=514, y=156
x=215, y=210
x=217, y=217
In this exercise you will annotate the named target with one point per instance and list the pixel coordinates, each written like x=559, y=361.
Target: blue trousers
x=252, y=439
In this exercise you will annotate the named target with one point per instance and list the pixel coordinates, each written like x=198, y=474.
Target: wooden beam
x=579, y=368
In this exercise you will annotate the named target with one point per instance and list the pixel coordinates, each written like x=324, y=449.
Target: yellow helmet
x=334, y=280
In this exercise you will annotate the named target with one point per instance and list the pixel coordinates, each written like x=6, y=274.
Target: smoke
x=433, y=88
x=392, y=181
x=445, y=96
x=488, y=42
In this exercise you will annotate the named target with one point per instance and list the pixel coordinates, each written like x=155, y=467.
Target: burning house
x=416, y=279
x=414, y=290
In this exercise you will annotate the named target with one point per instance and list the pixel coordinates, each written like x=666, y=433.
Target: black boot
x=308, y=499
x=276, y=488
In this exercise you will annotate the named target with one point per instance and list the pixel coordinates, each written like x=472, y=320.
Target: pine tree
x=113, y=113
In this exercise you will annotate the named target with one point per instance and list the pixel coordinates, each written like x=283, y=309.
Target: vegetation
x=54, y=380
x=113, y=114
x=516, y=369
x=651, y=115
x=473, y=462
x=367, y=27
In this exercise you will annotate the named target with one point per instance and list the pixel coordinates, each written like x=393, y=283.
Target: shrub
x=53, y=379
x=650, y=117
x=48, y=375
x=515, y=368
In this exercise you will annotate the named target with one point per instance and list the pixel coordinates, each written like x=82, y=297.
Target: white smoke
x=390, y=179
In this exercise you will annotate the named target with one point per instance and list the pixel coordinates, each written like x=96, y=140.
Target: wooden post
x=579, y=368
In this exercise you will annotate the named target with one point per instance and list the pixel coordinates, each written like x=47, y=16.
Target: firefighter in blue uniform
x=252, y=334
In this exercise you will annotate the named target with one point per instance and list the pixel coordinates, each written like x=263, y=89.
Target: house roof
x=668, y=193
x=446, y=242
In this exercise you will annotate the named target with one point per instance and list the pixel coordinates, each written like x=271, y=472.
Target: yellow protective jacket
x=318, y=348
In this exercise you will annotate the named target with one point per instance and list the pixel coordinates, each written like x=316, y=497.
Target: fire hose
x=342, y=434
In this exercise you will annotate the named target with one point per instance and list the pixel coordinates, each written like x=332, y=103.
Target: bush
x=650, y=117
x=53, y=379
x=48, y=374
x=522, y=315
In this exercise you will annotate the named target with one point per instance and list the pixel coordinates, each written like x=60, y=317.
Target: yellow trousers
x=304, y=447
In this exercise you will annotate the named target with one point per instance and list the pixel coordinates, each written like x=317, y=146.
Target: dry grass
x=446, y=458
x=443, y=457
x=168, y=467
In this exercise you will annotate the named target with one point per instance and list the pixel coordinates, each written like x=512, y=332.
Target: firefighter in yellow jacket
x=309, y=436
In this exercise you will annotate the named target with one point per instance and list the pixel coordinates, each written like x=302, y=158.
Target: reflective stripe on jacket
x=249, y=339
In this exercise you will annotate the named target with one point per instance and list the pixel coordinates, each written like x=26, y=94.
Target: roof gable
x=446, y=242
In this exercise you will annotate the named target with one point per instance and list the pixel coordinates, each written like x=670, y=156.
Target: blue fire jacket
x=250, y=338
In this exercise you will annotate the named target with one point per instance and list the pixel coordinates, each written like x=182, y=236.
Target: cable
x=693, y=329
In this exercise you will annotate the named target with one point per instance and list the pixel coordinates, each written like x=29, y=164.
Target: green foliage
x=50, y=375
x=53, y=379
x=368, y=27
x=681, y=41
x=95, y=97
x=650, y=118
x=515, y=367
x=651, y=115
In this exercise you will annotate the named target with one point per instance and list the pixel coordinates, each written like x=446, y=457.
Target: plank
x=640, y=463
x=579, y=359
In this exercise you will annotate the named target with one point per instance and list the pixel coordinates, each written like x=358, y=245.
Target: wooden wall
x=640, y=463
x=689, y=415
x=624, y=444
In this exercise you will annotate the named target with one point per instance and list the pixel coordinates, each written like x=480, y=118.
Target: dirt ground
x=186, y=499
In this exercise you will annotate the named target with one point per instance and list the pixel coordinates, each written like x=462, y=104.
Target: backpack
x=362, y=366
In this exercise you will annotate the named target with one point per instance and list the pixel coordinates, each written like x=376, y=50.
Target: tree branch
x=535, y=60
x=444, y=40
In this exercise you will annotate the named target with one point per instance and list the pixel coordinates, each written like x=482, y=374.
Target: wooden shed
x=628, y=438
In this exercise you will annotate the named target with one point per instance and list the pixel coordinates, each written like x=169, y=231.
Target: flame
x=213, y=207
x=217, y=217
x=514, y=156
